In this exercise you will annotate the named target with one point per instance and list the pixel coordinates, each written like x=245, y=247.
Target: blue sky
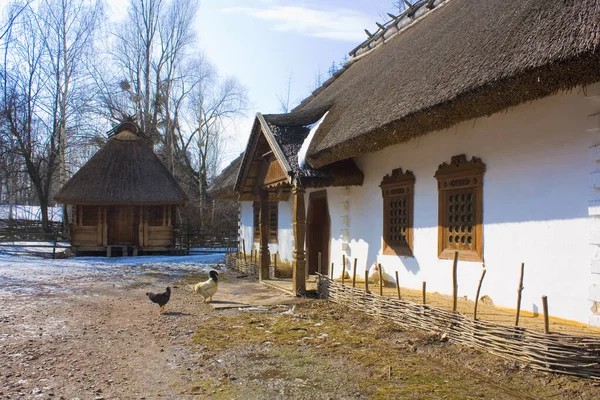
x=264, y=42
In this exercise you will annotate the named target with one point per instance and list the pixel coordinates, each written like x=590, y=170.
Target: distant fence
x=239, y=264
x=188, y=237
x=552, y=352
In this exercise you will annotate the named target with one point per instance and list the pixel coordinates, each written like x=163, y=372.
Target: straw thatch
x=464, y=59
x=223, y=185
x=124, y=171
x=285, y=140
x=291, y=138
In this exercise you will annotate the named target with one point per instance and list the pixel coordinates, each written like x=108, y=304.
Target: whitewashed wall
x=285, y=239
x=536, y=192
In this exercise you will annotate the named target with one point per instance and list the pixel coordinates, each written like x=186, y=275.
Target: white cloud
x=337, y=24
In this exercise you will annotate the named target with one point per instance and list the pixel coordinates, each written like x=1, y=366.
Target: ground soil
x=108, y=341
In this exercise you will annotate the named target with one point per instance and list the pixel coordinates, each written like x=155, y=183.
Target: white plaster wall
x=535, y=196
x=247, y=226
x=285, y=238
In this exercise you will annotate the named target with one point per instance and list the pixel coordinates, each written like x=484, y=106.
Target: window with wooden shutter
x=273, y=221
x=460, y=208
x=397, y=190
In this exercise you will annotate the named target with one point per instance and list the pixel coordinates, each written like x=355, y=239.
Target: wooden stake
x=331, y=272
x=477, y=294
x=343, y=268
x=455, y=281
x=380, y=280
x=424, y=292
x=244, y=246
x=319, y=263
x=519, y=290
x=275, y=260
x=367, y=281
x=354, y=274
x=398, y=285
x=546, y=318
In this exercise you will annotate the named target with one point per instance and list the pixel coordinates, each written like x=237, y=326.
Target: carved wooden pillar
x=264, y=235
x=299, y=224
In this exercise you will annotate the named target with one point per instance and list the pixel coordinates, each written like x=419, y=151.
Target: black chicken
x=160, y=298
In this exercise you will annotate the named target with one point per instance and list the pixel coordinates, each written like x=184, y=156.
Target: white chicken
x=374, y=274
x=209, y=287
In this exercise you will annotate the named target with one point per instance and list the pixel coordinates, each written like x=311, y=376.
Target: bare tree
x=284, y=99
x=42, y=74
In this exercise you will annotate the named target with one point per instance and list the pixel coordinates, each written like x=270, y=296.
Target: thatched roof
x=124, y=171
x=222, y=186
x=463, y=59
x=291, y=138
x=284, y=141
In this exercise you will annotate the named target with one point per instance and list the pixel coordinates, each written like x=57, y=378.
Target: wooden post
x=331, y=272
x=343, y=268
x=424, y=292
x=319, y=263
x=546, y=318
x=367, y=281
x=455, y=281
x=380, y=280
x=54, y=247
x=275, y=261
x=354, y=274
x=264, y=236
x=519, y=290
x=478, y=291
x=398, y=285
x=299, y=225
x=244, y=248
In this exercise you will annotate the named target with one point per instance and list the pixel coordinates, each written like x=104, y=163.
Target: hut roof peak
x=126, y=135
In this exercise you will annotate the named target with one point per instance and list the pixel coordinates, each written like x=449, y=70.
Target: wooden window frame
x=398, y=187
x=273, y=221
x=273, y=216
x=465, y=179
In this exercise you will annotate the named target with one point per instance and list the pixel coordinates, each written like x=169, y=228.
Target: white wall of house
x=285, y=234
x=536, y=191
x=535, y=206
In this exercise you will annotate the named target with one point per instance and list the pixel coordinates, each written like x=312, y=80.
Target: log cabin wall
x=150, y=228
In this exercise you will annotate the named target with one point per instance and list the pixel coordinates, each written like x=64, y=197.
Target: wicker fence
x=246, y=267
x=553, y=352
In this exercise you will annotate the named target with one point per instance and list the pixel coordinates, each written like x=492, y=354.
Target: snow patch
x=30, y=213
x=313, y=129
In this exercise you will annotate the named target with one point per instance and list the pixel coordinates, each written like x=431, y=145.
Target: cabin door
x=122, y=225
x=317, y=233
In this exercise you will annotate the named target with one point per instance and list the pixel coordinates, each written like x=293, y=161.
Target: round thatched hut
x=123, y=198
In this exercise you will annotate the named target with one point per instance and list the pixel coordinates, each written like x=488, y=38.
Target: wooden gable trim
x=275, y=176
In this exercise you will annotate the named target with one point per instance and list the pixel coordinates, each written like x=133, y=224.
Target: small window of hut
x=460, y=208
x=273, y=220
x=155, y=216
x=89, y=215
x=256, y=219
x=397, y=190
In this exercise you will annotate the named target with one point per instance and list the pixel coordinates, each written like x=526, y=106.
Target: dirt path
x=107, y=341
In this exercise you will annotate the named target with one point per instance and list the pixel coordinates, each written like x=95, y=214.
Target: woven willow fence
x=247, y=267
x=553, y=352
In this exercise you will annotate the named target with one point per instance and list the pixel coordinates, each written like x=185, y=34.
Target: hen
x=160, y=298
x=209, y=287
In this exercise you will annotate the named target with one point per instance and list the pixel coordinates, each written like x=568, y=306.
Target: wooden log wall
x=553, y=352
